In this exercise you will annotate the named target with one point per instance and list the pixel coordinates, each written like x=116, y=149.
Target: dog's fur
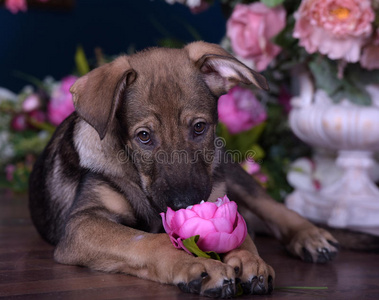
x=98, y=188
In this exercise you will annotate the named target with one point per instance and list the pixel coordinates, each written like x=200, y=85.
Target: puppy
x=98, y=188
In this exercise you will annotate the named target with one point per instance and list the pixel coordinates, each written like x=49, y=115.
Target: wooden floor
x=27, y=270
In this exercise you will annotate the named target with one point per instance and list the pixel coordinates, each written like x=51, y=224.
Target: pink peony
x=240, y=110
x=370, y=54
x=336, y=28
x=220, y=227
x=16, y=5
x=251, y=28
x=61, y=104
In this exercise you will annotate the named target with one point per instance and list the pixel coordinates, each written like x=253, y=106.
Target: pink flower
x=9, y=171
x=370, y=54
x=251, y=28
x=220, y=227
x=61, y=104
x=32, y=102
x=250, y=166
x=16, y=5
x=336, y=28
x=254, y=169
x=240, y=110
x=19, y=122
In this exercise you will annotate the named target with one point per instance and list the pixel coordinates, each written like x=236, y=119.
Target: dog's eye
x=144, y=137
x=199, y=128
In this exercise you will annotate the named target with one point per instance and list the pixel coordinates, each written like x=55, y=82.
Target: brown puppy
x=112, y=166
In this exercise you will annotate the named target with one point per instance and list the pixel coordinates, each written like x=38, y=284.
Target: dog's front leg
x=300, y=236
x=255, y=275
x=94, y=239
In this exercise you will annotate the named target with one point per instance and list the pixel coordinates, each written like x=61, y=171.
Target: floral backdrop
x=336, y=41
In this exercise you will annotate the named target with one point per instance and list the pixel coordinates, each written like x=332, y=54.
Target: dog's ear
x=221, y=70
x=97, y=94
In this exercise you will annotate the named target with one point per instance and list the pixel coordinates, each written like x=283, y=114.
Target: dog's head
x=162, y=104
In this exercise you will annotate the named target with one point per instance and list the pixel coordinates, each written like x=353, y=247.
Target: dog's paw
x=206, y=277
x=254, y=275
x=314, y=245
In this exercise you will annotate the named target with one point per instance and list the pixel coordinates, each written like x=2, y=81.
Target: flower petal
x=241, y=230
x=222, y=242
x=169, y=215
x=227, y=211
x=205, y=210
x=179, y=217
x=166, y=227
x=219, y=242
x=196, y=226
x=223, y=225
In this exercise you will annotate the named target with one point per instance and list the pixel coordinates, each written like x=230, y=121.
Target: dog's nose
x=182, y=199
x=178, y=203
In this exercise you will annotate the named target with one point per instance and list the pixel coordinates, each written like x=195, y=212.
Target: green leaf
x=81, y=61
x=325, y=75
x=272, y=3
x=352, y=93
x=192, y=247
x=284, y=38
x=259, y=152
x=355, y=73
x=239, y=290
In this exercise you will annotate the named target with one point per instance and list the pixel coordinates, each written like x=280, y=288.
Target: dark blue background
x=43, y=42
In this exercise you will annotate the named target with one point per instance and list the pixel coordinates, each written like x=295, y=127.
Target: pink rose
x=370, y=54
x=16, y=5
x=220, y=227
x=336, y=28
x=61, y=104
x=251, y=28
x=240, y=110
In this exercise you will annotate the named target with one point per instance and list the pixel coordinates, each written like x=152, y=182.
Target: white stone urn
x=351, y=200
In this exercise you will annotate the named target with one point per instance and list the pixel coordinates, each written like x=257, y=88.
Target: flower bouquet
x=27, y=121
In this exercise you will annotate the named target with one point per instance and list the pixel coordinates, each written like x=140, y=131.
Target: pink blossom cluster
x=60, y=105
x=340, y=29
